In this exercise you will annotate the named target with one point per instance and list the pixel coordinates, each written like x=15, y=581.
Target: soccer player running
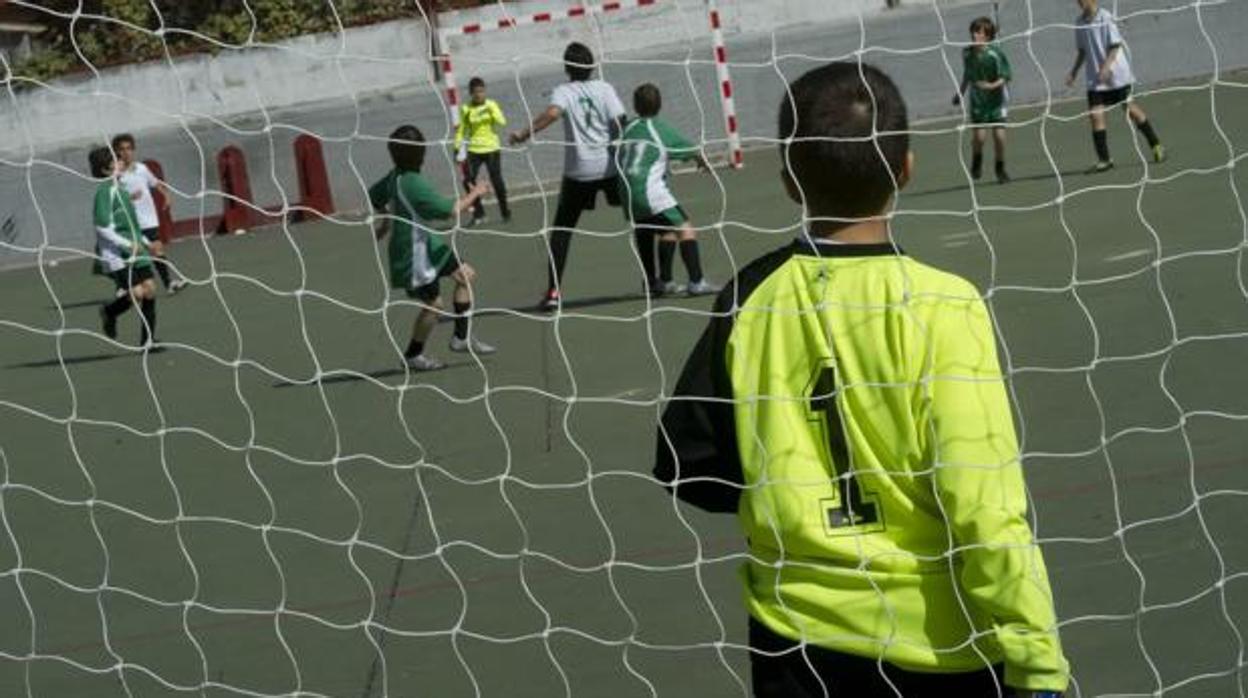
x=139, y=183
x=592, y=117
x=477, y=144
x=1099, y=48
x=986, y=71
x=846, y=402
x=646, y=146
x=124, y=253
x=419, y=257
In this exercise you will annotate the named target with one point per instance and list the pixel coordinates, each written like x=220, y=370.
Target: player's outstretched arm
x=543, y=120
x=465, y=202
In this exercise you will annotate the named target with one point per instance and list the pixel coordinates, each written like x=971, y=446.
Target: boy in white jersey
x=592, y=117
x=1099, y=47
x=139, y=183
x=646, y=146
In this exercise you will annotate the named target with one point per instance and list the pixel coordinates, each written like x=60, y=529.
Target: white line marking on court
x=631, y=392
x=965, y=234
x=957, y=243
x=1129, y=255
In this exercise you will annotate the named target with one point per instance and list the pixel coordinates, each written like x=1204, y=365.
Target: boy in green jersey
x=847, y=403
x=419, y=257
x=986, y=72
x=123, y=253
x=647, y=145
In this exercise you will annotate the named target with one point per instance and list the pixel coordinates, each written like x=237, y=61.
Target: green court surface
x=274, y=507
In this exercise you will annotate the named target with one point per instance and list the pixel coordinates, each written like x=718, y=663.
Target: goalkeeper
x=477, y=144
x=847, y=404
x=419, y=257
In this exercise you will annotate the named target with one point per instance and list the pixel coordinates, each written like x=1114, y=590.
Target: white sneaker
x=420, y=362
x=471, y=346
x=702, y=288
x=671, y=288
x=176, y=285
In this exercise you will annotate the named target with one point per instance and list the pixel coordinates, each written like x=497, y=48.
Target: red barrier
x=236, y=213
x=314, y=192
x=163, y=212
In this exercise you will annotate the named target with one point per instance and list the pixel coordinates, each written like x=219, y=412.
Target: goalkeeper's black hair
x=101, y=161
x=578, y=61
x=647, y=99
x=407, y=148
x=475, y=83
x=843, y=139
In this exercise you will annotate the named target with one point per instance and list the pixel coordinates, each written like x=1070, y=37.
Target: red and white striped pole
x=448, y=80
x=736, y=157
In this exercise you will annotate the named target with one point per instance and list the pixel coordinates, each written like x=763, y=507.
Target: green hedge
x=114, y=32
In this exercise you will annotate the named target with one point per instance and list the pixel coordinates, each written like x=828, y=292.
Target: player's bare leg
x=689, y=254
x=1100, y=140
x=426, y=320
x=978, y=136
x=998, y=145
x=144, y=295
x=1145, y=127
x=463, y=340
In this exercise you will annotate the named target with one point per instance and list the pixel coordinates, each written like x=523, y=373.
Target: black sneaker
x=109, y=322
x=1003, y=177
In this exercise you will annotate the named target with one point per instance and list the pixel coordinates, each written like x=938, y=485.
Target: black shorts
x=803, y=671
x=152, y=234
x=1109, y=98
x=430, y=291
x=129, y=277
x=582, y=196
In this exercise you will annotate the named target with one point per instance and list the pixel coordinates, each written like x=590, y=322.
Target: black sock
x=148, y=329
x=461, y=319
x=560, y=241
x=667, y=252
x=693, y=261
x=1000, y=165
x=119, y=305
x=977, y=163
x=643, y=238
x=1150, y=135
x=414, y=348
x=162, y=268
x=1101, y=141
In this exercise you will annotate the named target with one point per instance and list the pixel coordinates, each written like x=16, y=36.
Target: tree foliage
x=86, y=35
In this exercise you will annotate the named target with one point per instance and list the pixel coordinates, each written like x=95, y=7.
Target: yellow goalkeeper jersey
x=847, y=403
x=477, y=124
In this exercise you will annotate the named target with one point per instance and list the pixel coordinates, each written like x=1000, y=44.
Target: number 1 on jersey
x=850, y=509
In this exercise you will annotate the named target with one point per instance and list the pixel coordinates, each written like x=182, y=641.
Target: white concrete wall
x=362, y=61
x=161, y=94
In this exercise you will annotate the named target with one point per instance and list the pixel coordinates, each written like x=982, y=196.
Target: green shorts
x=983, y=115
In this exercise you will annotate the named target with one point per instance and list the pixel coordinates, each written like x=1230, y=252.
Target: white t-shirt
x=1096, y=37
x=139, y=182
x=589, y=108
